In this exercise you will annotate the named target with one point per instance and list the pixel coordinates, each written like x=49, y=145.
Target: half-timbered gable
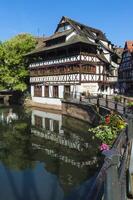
x=76, y=56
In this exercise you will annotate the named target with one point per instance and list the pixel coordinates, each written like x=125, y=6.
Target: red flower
x=107, y=119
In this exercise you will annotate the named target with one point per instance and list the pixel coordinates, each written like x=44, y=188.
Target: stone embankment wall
x=80, y=111
x=30, y=103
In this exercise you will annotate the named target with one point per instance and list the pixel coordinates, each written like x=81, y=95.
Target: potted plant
x=109, y=128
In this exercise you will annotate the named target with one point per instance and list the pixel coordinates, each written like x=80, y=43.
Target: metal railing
x=116, y=103
x=111, y=181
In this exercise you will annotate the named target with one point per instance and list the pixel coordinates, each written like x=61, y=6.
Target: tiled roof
x=59, y=34
x=73, y=40
x=83, y=34
x=129, y=46
x=86, y=30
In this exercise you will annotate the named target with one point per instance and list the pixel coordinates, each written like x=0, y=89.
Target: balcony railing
x=67, y=59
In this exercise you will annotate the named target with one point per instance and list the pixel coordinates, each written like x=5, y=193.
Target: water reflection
x=44, y=155
x=8, y=117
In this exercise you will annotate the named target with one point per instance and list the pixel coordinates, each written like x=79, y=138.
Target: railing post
x=89, y=100
x=97, y=106
x=116, y=103
x=130, y=126
x=124, y=105
x=106, y=101
x=98, y=102
x=111, y=185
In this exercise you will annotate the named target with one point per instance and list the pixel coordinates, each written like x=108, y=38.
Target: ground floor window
x=55, y=126
x=38, y=121
x=46, y=91
x=102, y=88
x=47, y=123
x=37, y=90
x=55, y=91
x=66, y=91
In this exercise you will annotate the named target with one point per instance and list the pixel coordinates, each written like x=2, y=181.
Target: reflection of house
x=70, y=171
x=66, y=159
x=48, y=121
x=75, y=58
x=126, y=69
x=72, y=157
x=49, y=126
x=69, y=147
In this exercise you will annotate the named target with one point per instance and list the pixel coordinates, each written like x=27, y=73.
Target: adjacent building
x=76, y=59
x=126, y=70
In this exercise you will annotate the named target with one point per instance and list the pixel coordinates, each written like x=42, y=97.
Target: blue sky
x=113, y=17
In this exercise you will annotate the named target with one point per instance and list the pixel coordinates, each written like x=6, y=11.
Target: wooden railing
x=66, y=59
x=111, y=182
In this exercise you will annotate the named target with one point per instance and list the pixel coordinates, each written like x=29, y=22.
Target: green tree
x=13, y=64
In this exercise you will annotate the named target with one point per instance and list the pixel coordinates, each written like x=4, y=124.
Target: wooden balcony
x=68, y=59
x=60, y=70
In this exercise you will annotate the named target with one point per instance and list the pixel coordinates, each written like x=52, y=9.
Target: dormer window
x=94, y=34
x=64, y=27
x=55, y=41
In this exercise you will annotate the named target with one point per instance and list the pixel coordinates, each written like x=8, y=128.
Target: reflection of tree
x=17, y=151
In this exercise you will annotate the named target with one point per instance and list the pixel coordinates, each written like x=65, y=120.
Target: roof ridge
x=82, y=24
x=98, y=32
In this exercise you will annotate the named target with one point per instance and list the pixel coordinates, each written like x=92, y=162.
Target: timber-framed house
x=126, y=70
x=76, y=58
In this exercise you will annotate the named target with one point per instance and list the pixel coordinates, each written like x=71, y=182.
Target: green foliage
x=130, y=104
x=13, y=65
x=117, y=98
x=105, y=133
x=130, y=107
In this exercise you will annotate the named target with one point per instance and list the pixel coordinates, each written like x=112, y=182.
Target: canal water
x=45, y=156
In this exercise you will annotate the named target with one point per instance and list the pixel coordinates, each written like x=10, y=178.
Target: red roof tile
x=129, y=46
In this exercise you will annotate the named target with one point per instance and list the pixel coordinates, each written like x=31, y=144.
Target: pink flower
x=104, y=147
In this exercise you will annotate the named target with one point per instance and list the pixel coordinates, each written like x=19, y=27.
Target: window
x=66, y=91
x=47, y=123
x=37, y=90
x=46, y=91
x=56, y=126
x=55, y=91
x=64, y=27
x=38, y=121
x=67, y=88
x=102, y=88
